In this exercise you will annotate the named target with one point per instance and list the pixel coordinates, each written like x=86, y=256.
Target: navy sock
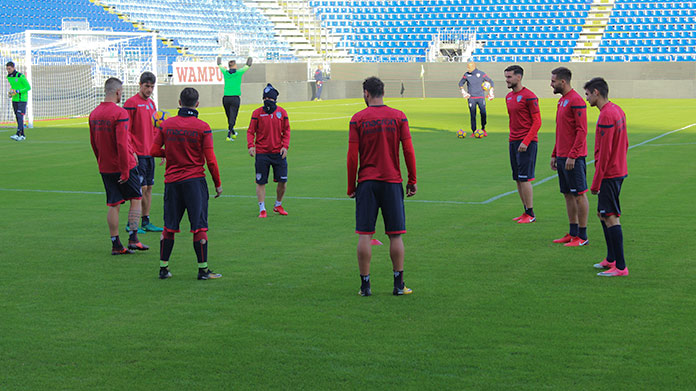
x=133, y=236
x=166, y=247
x=573, y=230
x=529, y=211
x=116, y=242
x=399, y=279
x=610, y=249
x=616, y=235
x=146, y=220
x=201, y=249
x=582, y=233
x=364, y=282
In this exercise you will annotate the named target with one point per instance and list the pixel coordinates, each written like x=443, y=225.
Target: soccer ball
x=158, y=117
x=486, y=85
x=479, y=133
x=461, y=133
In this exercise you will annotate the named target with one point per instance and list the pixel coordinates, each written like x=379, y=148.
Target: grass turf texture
x=495, y=305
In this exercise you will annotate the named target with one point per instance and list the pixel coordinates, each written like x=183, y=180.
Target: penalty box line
x=488, y=201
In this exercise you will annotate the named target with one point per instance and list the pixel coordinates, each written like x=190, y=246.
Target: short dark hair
x=148, y=77
x=188, y=97
x=516, y=69
x=563, y=73
x=598, y=84
x=10, y=64
x=111, y=85
x=374, y=86
x=231, y=62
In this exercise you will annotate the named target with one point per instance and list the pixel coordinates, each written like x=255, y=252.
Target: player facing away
x=188, y=145
x=525, y=121
x=611, y=148
x=374, y=138
x=476, y=94
x=319, y=80
x=140, y=108
x=233, y=90
x=268, y=140
x=568, y=156
x=19, y=92
x=108, y=134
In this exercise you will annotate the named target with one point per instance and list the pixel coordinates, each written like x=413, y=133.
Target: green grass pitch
x=495, y=305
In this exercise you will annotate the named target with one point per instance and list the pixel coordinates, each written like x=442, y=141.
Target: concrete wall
x=626, y=80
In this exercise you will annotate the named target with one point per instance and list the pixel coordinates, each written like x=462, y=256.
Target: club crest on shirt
x=478, y=75
x=519, y=98
x=565, y=103
x=278, y=115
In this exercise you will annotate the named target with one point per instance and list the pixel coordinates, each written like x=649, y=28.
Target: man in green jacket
x=19, y=92
x=233, y=89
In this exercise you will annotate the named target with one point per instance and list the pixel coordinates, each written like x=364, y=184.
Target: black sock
x=116, y=242
x=617, y=243
x=610, y=248
x=146, y=220
x=133, y=236
x=573, y=230
x=399, y=279
x=582, y=233
x=201, y=249
x=166, y=246
x=529, y=211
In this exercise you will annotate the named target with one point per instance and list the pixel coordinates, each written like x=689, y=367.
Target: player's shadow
x=423, y=128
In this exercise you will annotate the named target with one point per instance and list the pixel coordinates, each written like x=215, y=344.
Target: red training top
x=142, y=130
x=611, y=145
x=571, y=127
x=188, y=143
x=108, y=133
x=375, y=134
x=272, y=131
x=525, y=120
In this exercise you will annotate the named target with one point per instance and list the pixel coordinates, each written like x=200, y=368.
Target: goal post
x=66, y=69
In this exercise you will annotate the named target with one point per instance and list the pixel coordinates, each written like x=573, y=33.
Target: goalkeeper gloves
x=249, y=61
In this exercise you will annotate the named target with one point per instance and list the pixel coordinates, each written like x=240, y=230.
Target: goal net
x=67, y=69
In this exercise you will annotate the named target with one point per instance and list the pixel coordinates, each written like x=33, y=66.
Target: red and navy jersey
x=108, y=133
x=379, y=130
x=269, y=132
x=571, y=127
x=185, y=139
x=521, y=107
x=142, y=130
x=611, y=145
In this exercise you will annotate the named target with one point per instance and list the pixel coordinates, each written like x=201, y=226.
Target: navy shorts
x=573, y=181
x=608, y=198
x=523, y=163
x=118, y=193
x=190, y=195
x=370, y=197
x=146, y=170
x=264, y=161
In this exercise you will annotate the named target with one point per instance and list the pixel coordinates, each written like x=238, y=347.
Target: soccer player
x=108, y=134
x=568, y=156
x=19, y=92
x=476, y=95
x=319, y=80
x=611, y=148
x=188, y=145
x=374, y=138
x=268, y=140
x=233, y=89
x=525, y=121
x=140, y=108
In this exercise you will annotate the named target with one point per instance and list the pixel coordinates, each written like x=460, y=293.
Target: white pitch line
x=488, y=201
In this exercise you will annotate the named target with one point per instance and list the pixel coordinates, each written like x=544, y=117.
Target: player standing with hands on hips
x=188, y=145
x=611, y=148
x=233, y=90
x=568, y=156
x=373, y=143
x=268, y=141
x=108, y=134
x=476, y=81
x=19, y=92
